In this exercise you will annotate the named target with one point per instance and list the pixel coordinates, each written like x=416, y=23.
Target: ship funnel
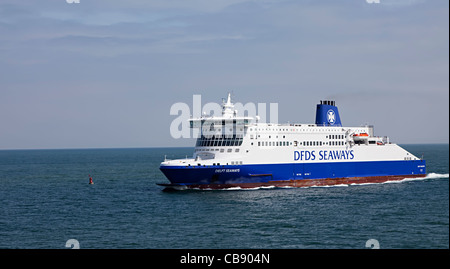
x=327, y=114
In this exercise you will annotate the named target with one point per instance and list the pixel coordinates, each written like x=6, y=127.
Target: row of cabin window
x=273, y=144
x=320, y=143
x=328, y=136
x=291, y=130
x=335, y=136
x=312, y=143
x=218, y=164
x=221, y=150
x=296, y=143
x=232, y=163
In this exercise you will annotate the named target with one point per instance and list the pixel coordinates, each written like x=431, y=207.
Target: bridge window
x=219, y=141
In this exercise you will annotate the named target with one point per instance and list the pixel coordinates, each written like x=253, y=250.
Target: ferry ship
x=240, y=152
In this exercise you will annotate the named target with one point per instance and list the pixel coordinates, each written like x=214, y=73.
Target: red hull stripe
x=299, y=183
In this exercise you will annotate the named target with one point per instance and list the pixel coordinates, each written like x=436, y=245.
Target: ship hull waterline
x=299, y=183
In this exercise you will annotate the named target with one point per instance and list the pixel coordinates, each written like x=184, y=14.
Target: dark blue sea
x=45, y=200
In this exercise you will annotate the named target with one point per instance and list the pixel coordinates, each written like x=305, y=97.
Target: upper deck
x=230, y=130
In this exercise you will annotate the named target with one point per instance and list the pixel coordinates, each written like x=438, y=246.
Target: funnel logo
x=331, y=117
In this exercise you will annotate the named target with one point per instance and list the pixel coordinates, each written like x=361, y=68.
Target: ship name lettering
x=323, y=155
x=237, y=170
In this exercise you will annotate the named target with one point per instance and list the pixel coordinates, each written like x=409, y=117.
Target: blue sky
x=105, y=73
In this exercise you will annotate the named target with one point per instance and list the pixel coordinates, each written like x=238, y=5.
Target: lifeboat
x=360, y=137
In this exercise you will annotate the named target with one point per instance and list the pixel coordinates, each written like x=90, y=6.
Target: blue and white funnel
x=327, y=114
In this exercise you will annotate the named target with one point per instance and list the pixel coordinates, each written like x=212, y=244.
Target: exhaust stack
x=327, y=114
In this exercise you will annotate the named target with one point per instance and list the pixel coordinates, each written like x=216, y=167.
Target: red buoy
x=90, y=180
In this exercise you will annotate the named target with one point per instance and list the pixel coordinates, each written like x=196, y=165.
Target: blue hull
x=266, y=174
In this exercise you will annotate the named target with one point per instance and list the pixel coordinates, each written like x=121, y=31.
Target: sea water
x=45, y=200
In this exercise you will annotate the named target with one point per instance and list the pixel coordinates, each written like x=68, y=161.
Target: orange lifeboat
x=361, y=134
x=361, y=137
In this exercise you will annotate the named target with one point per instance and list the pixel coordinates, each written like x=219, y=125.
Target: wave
x=428, y=176
x=435, y=175
x=236, y=188
x=247, y=189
